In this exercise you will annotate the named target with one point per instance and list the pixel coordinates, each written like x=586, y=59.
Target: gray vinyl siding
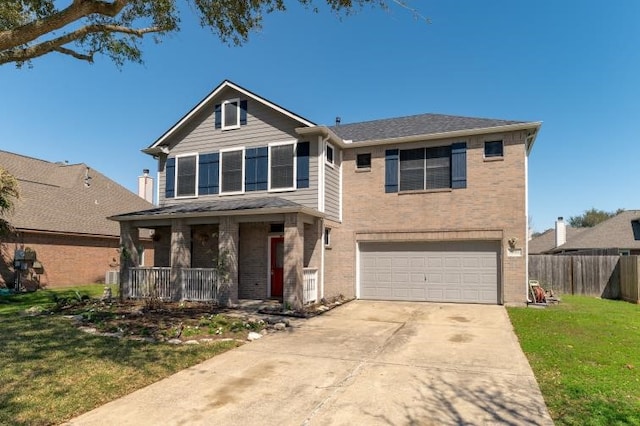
x=332, y=187
x=264, y=126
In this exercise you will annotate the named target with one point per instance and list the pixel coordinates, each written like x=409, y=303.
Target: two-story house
x=425, y=208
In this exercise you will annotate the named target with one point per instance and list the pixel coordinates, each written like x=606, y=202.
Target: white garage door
x=464, y=272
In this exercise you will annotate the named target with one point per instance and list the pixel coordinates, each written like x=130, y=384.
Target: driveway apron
x=365, y=362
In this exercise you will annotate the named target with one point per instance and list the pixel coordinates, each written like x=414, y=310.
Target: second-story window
x=186, y=176
x=231, y=114
x=425, y=168
x=231, y=171
x=329, y=157
x=281, y=166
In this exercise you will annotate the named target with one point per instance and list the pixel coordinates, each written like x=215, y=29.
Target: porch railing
x=310, y=290
x=147, y=282
x=199, y=284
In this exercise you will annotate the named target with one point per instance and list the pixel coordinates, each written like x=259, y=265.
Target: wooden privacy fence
x=610, y=277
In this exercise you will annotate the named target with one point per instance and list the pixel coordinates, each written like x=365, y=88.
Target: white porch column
x=293, y=260
x=180, y=254
x=228, y=243
x=129, y=242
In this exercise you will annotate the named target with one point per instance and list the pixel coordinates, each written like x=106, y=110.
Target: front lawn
x=51, y=370
x=585, y=353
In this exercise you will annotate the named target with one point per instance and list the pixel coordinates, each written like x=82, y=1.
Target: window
x=425, y=168
x=329, y=155
x=231, y=114
x=363, y=161
x=327, y=236
x=231, y=171
x=281, y=166
x=493, y=149
x=186, y=176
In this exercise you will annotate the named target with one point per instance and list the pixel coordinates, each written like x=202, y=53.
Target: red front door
x=277, y=266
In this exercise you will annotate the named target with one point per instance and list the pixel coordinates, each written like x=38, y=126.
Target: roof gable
x=226, y=84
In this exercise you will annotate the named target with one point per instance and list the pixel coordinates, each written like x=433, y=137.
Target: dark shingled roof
x=54, y=198
x=423, y=124
x=621, y=231
x=546, y=241
x=216, y=206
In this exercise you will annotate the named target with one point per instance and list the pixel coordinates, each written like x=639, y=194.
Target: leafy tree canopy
x=84, y=28
x=591, y=218
x=8, y=194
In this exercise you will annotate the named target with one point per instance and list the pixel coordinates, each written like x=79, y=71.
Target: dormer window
x=231, y=114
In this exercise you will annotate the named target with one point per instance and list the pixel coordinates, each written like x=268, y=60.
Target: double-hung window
x=425, y=168
x=282, y=166
x=231, y=171
x=186, y=169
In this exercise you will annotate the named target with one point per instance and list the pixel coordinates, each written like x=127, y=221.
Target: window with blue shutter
x=302, y=165
x=256, y=165
x=243, y=112
x=208, y=174
x=230, y=114
x=391, y=170
x=459, y=165
x=218, y=116
x=170, y=178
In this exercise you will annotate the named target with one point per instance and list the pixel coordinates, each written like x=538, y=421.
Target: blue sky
x=575, y=65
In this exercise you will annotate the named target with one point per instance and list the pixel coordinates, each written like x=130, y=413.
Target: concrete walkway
x=363, y=363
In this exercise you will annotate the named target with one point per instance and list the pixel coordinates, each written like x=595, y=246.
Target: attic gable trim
x=328, y=133
x=154, y=149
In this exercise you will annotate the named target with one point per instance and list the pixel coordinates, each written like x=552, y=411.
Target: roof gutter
x=326, y=132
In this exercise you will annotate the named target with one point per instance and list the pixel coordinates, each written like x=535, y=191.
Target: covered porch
x=223, y=251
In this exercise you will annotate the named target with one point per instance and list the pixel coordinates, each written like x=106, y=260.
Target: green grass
x=50, y=371
x=585, y=353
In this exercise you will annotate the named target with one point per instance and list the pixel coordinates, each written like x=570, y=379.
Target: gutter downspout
x=526, y=207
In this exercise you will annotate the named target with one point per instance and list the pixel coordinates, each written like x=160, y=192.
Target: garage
x=463, y=272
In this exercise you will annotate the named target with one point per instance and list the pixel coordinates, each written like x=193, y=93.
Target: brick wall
x=494, y=200
x=68, y=259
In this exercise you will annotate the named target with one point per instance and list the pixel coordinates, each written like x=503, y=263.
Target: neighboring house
x=61, y=215
x=619, y=235
x=554, y=237
x=428, y=207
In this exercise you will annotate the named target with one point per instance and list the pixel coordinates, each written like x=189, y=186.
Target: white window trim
x=326, y=237
x=331, y=163
x=175, y=178
x=220, y=192
x=222, y=114
x=295, y=166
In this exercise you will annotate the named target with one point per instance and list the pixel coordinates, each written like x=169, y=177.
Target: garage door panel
x=454, y=271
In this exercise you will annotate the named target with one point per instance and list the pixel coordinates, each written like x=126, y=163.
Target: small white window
x=329, y=155
x=231, y=114
x=327, y=237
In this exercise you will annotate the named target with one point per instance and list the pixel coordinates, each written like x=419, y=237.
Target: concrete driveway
x=363, y=363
